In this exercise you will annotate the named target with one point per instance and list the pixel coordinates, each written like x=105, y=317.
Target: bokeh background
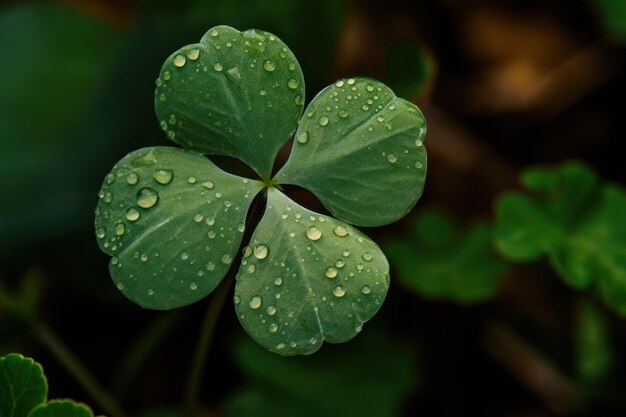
x=504, y=85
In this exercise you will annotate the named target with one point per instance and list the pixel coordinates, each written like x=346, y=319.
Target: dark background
x=503, y=85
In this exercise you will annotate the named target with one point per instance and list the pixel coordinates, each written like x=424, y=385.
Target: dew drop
x=346, y=253
x=234, y=75
x=366, y=290
x=273, y=328
x=208, y=185
x=147, y=197
x=367, y=256
x=236, y=299
x=214, y=33
x=261, y=251
x=179, y=61
x=120, y=229
x=392, y=158
x=339, y=83
x=418, y=165
x=303, y=137
x=210, y=266
x=193, y=286
x=339, y=263
x=241, y=227
x=418, y=143
x=100, y=233
x=343, y=113
x=323, y=121
x=193, y=54
x=184, y=256
x=226, y=259
x=278, y=281
x=191, y=180
x=271, y=310
x=330, y=272
x=339, y=291
x=167, y=75
x=197, y=218
x=292, y=83
x=269, y=66
x=255, y=302
x=313, y=233
x=370, y=87
x=132, y=178
x=218, y=67
x=163, y=176
x=340, y=231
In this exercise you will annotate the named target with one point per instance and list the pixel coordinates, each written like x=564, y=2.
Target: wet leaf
x=341, y=381
x=569, y=216
x=172, y=222
x=22, y=385
x=306, y=279
x=355, y=140
x=61, y=408
x=441, y=261
x=234, y=93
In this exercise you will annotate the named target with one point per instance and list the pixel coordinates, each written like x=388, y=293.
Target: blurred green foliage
x=576, y=220
x=440, y=260
x=409, y=69
x=371, y=376
x=613, y=15
x=595, y=358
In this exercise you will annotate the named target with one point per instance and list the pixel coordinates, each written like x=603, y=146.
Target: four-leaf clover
x=173, y=221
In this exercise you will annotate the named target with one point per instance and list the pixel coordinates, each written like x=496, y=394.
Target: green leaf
x=408, y=68
x=22, y=385
x=613, y=15
x=359, y=149
x=234, y=93
x=61, y=408
x=594, y=351
x=574, y=220
x=440, y=261
x=306, y=279
x=172, y=222
x=369, y=377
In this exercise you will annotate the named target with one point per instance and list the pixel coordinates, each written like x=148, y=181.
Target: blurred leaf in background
x=410, y=69
x=613, y=16
x=574, y=219
x=594, y=351
x=442, y=261
x=371, y=376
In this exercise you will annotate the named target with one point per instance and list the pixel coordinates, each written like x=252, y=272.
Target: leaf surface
x=306, y=279
x=359, y=149
x=61, y=408
x=233, y=93
x=172, y=222
x=22, y=385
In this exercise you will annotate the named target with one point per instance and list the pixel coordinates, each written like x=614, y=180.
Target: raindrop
x=120, y=229
x=418, y=165
x=179, y=61
x=269, y=66
x=392, y=158
x=197, y=218
x=234, y=75
x=167, y=75
x=218, y=67
x=193, y=286
x=278, y=281
x=184, y=256
x=346, y=253
x=367, y=256
x=366, y=290
x=100, y=233
x=210, y=266
x=271, y=310
x=147, y=197
x=214, y=33
x=370, y=88
x=292, y=83
x=418, y=143
x=340, y=231
x=261, y=251
x=247, y=252
x=313, y=233
x=339, y=291
x=339, y=83
x=339, y=263
x=323, y=121
x=226, y=259
x=330, y=272
x=191, y=180
x=273, y=328
x=241, y=227
x=132, y=178
x=193, y=54
x=255, y=302
x=208, y=185
x=303, y=137
x=351, y=81
x=237, y=299
x=162, y=176
x=343, y=113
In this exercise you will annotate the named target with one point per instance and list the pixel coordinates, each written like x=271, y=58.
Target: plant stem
x=75, y=367
x=207, y=332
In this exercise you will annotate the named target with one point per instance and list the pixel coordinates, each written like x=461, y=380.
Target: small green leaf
x=22, y=385
x=61, y=408
x=172, y=222
x=371, y=376
x=574, y=220
x=234, y=93
x=443, y=262
x=594, y=352
x=306, y=279
x=359, y=149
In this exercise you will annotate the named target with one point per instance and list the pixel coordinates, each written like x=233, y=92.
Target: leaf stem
x=207, y=332
x=76, y=368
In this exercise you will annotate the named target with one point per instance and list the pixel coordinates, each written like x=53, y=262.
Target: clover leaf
x=24, y=391
x=576, y=221
x=440, y=261
x=173, y=221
